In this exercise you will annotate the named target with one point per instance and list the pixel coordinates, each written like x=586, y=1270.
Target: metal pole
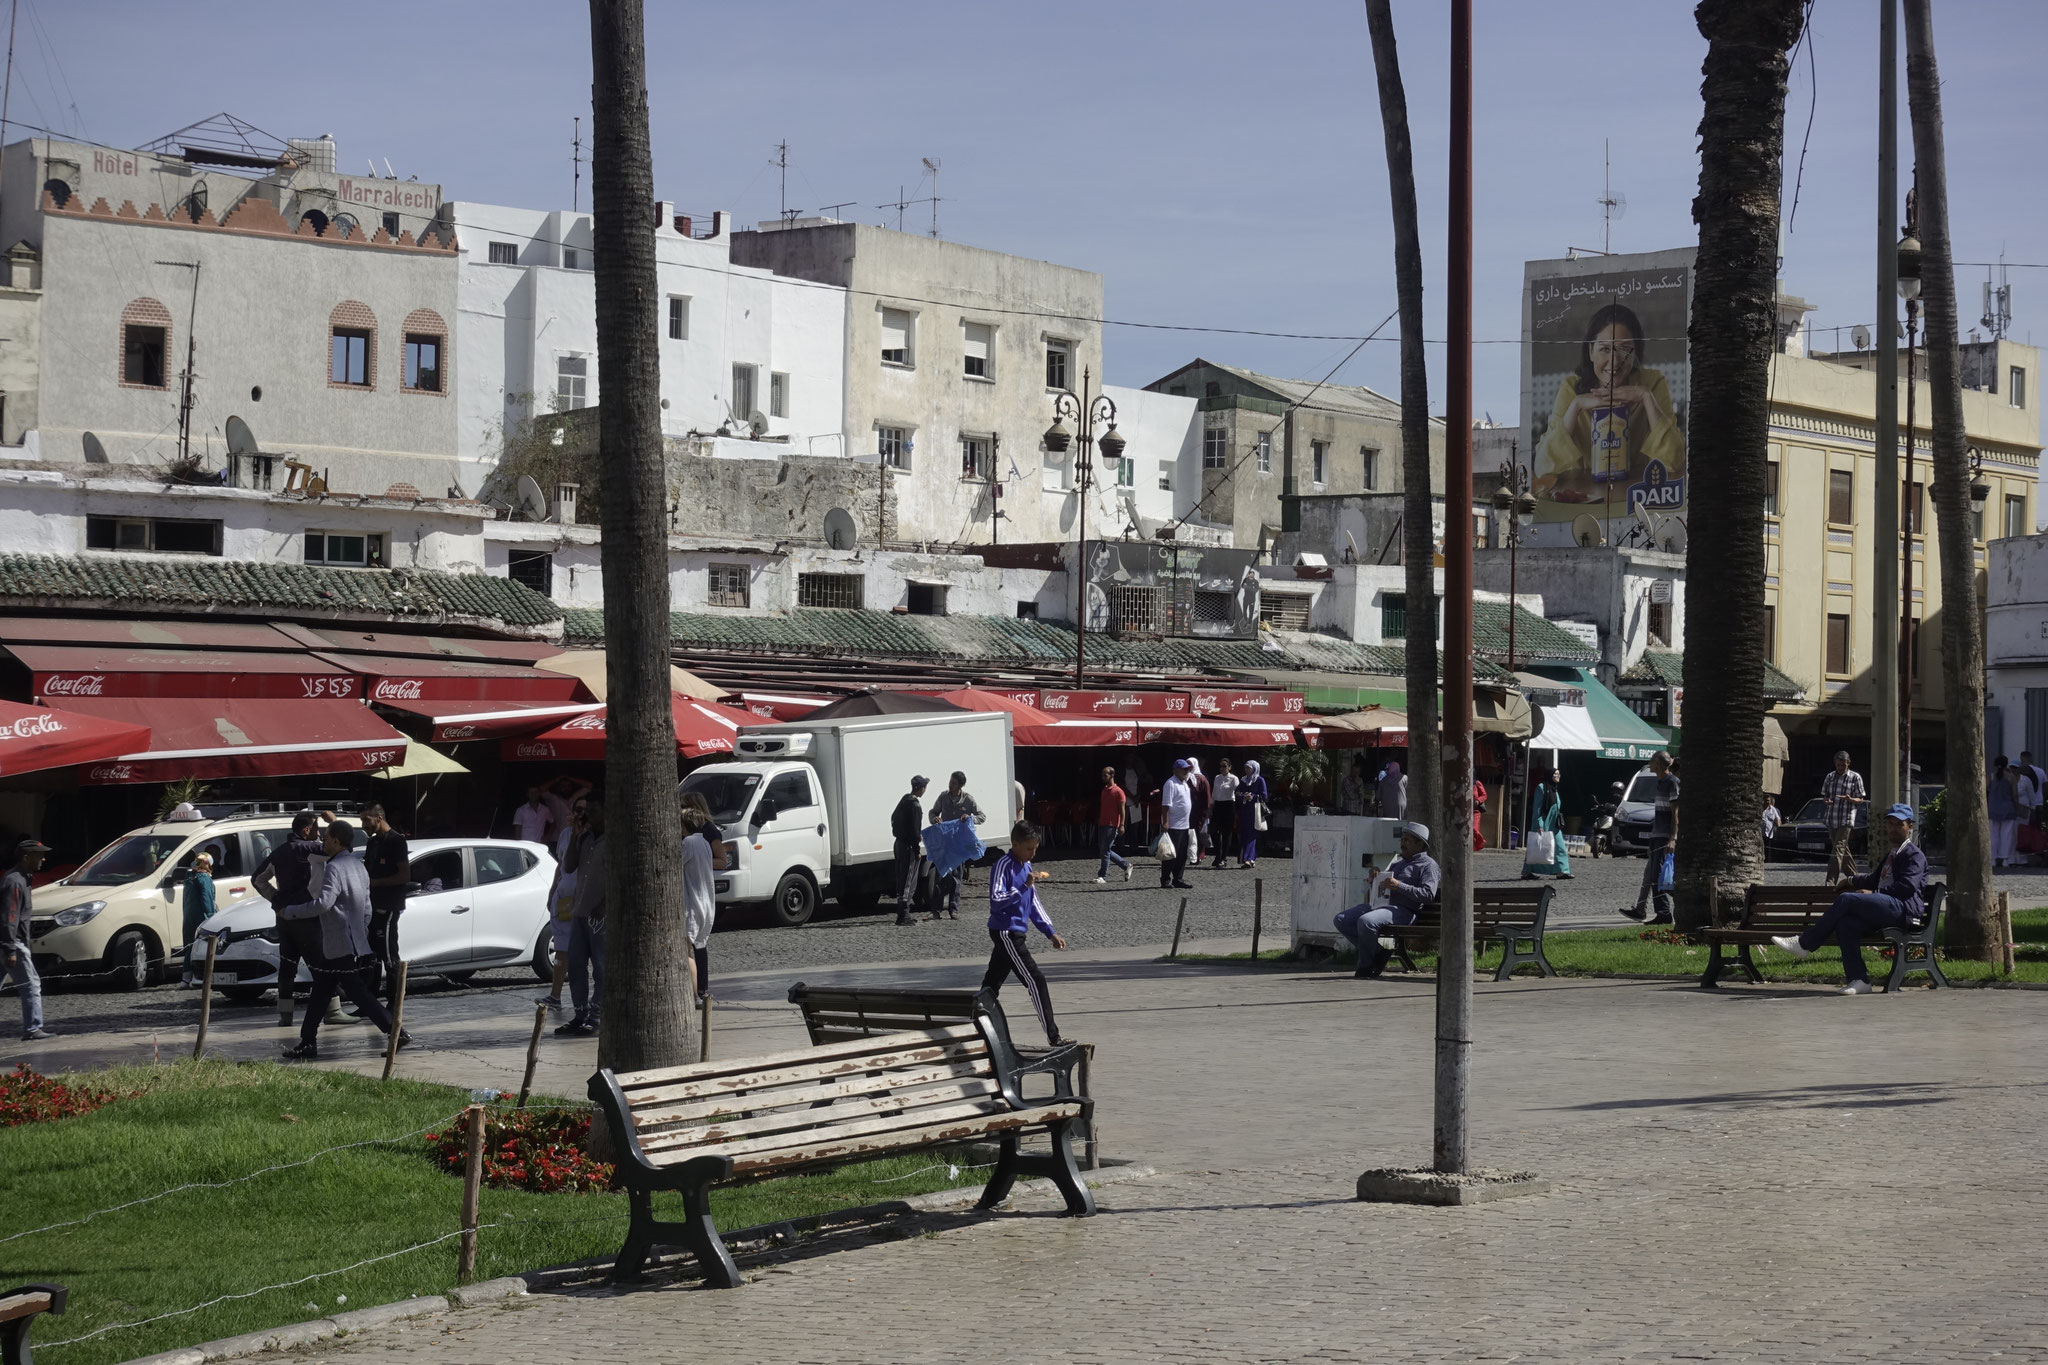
x=1453, y=844
x=1178, y=920
x=1906, y=640
x=1083, y=467
x=704, y=1030
x=206, y=995
x=1258, y=912
x=1884, y=644
x=7, y=85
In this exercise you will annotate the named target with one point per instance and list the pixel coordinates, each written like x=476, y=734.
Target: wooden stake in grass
x=1258, y=912
x=540, y=1020
x=1178, y=920
x=704, y=1030
x=397, y=1019
x=206, y=995
x=472, y=1188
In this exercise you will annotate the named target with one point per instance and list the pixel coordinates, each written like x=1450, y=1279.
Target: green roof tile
x=216, y=584
x=1536, y=640
x=1666, y=668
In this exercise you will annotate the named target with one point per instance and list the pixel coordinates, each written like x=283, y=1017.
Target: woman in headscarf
x=1251, y=797
x=1393, y=793
x=1546, y=816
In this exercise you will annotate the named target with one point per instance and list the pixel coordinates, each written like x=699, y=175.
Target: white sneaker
x=1790, y=943
x=1858, y=988
x=1127, y=871
x=1102, y=881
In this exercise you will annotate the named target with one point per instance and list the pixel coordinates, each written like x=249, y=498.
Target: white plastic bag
x=1542, y=849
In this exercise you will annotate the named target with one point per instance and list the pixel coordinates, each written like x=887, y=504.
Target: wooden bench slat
x=23, y=1306
x=918, y=1118
x=980, y=1090
x=761, y=1078
x=846, y=1146
x=807, y=1094
x=631, y=1080
x=871, y=1023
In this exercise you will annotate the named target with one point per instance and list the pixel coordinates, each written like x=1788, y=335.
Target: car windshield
x=726, y=793
x=127, y=860
x=1644, y=791
x=1813, y=812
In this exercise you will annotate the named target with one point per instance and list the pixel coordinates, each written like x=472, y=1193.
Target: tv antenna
x=931, y=167
x=1997, y=318
x=1613, y=203
x=903, y=202
x=576, y=160
x=781, y=163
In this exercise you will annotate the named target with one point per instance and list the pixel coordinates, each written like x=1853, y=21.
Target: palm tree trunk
x=1962, y=640
x=1425, y=777
x=1732, y=338
x=649, y=977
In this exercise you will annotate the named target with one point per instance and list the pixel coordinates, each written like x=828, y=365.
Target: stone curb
x=515, y=1286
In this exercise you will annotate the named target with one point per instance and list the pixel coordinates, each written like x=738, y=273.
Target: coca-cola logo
x=114, y=772
x=328, y=685
x=534, y=750
x=1053, y=701
x=28, y=727
x=590, y=720
x=397, y=689
x=76, y=685
x=458, y=732
x=1205, y=702
x=714, y=744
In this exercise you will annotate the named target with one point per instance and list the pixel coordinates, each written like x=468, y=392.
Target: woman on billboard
x=1613, y=418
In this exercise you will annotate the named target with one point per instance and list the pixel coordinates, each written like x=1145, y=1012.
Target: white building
x=2016, y=647
x=734, y=341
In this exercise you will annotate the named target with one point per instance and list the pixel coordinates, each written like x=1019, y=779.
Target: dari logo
x=114, y=772
x=76, y=685
x=458, y=732
x=28, y=727
x=397, y=689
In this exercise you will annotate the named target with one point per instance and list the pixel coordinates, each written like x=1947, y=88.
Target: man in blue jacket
x=1013, y=911
x=1889, y=896
x=341, y=910
x=1412, y=884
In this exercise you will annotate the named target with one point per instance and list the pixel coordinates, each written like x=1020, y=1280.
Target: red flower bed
x=26, y=1097
x=541, y=1150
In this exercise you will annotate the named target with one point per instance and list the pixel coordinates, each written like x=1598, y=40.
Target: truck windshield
x=126, y=860
x=727, y=793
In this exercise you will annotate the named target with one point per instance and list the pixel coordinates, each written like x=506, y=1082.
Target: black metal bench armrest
x=1058, y=1062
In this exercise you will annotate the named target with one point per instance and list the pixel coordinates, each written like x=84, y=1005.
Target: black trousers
x=1223, y=833
x=1012, y=953
x=702, y=957
x=383, y=970
x=1174, y=870
x=343, y=975
x=298, y=940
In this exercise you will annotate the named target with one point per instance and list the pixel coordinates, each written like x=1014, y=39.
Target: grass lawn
x=213, y=1121
x=1656, y=952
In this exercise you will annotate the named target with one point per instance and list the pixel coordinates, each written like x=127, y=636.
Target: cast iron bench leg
x=1401, y=951
x=1003, y=1176
x=1749, y=964
x=632, y=1259
x=1711, y=977
x=1067, y=1175
x=700, y=1235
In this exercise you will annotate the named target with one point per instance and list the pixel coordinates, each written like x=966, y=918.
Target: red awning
x=1247, y=704
x=777, y=705
x=192, y=634
x=336, y=640
x=1221, y=733
x=1077, y=734
x=34, y=738
x=455, y=721
x=438, y=679
x=201, y=737
x=65, y=672
x=702, y=727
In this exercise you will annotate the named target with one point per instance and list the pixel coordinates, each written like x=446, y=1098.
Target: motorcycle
x=1601, y=838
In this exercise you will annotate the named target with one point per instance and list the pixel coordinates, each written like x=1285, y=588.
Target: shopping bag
x=1259, y=816
x=1542, y=850
x=1163, y=849
x=1667, y=873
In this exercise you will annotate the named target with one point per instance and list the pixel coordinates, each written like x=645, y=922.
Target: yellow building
x=1821, y=560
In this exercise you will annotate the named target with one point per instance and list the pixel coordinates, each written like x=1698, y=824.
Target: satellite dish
x=1860, y=336
x=241, y=441
x=95, y=453
x=1586, y=530
x=1675, y=536
x=757, y=423
x=840, y=532
x=1648, y=522
x=531, y=501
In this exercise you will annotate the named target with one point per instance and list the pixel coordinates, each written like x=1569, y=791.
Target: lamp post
x=1517, y=509
x=1088, y=410
x=1910, y=522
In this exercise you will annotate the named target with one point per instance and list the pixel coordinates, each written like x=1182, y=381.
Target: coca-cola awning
x=436, y=679
x=63, y=673
x=777, y=705
x=702, y=727
x=202, y=633
x=242, y=737
x=454, y=721
x=35, y=738
x=1206, y=730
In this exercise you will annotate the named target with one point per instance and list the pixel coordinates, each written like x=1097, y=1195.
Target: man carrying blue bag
x=951, y=843
x=1657, y=870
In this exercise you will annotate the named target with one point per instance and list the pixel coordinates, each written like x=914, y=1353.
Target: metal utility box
x=1330, y=854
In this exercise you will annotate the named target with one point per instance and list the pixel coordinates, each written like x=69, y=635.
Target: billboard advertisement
x=1154, y=587
x=1606, y=384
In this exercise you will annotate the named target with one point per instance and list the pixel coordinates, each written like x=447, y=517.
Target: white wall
x=1164, y=436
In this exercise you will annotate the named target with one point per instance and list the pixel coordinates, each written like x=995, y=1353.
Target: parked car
x=472, y=905
x=122, y=911
x=1631, y=832
x=1806, y=834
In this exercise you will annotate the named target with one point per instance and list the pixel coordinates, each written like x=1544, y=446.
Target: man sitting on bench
x=1409, y=885
x=1889, y=896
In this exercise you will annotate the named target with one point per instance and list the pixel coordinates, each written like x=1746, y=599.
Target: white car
x=473, y=904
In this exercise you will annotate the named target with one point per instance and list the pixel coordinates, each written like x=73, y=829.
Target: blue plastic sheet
x=951, y=844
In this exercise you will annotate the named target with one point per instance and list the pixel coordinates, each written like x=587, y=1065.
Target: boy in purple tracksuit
x=1012, y=909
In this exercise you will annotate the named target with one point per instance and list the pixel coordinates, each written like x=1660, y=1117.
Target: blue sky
x=1220, y=165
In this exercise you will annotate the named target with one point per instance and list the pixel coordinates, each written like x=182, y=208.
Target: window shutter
x=895, y=332
x=977, y=342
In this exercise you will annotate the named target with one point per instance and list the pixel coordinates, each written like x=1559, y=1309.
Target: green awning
x=1623, y=734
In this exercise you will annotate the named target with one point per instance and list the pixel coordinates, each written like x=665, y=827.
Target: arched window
x=145, y=345
x=317, y=218
x=59, y=192
x=426, y=352
x=352, y=347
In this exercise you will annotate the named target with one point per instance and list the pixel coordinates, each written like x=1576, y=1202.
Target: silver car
x=472, y=904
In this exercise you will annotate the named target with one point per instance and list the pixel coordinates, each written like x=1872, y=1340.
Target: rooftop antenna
x=7, y=85
x=900, y=205
x=576, y=160
x=1613, y=203
x=781, y=163
x=830, y=209
x=931, y=166
x=1997, y=318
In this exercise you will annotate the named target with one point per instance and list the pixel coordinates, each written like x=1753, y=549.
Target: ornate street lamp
x=1088, y=412
x=1516, y=506
x=1909, y=290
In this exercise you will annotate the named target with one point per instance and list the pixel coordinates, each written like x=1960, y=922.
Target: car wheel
x=544, y=953
x=128, y=960
x=456, y=978
x=243, y=995
x=796, y=900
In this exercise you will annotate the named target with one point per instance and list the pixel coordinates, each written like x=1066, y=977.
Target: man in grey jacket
x=342, y=909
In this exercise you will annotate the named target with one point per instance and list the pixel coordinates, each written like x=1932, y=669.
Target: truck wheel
x=796, y=900
x=128, y=960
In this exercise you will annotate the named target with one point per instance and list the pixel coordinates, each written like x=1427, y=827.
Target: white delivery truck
x=805, y=805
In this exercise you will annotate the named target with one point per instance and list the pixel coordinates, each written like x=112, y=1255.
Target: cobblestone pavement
x=1750, y=1174
x=1093, y=918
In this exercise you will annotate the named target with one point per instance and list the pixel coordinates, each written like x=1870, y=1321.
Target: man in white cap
x=1410, y=884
